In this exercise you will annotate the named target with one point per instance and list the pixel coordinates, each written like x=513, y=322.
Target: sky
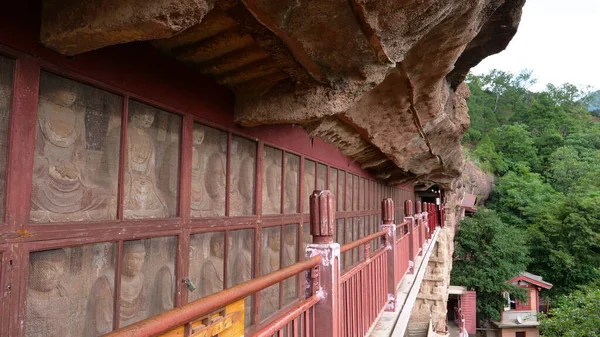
x=558, y=39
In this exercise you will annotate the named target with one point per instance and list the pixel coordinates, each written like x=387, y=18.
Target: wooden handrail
x=354, y=244
x=279, y=323
x=176, y=317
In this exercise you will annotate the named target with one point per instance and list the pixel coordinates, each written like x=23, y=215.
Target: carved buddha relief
x=163, y=288
x=290, y=251
x=243, y=176
x=341, y=190
x=308, y=184
x=215, y=184
x=269, y=263
x=321, y=177
x=292, y=165
x=306, y=238
x=212, y=280
x=349, y=191
x=241, y=264
x=65, y=186
x=132, y=300
x=48, y=306
x=168, y=153
x=209, y=165
x=333, y=184
x=198, y=198
x=6, y=79
x=142, y=198
x=199, y=246
x=271, y=191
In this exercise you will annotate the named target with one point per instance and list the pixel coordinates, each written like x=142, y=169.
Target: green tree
x=487, y=254
x=565, y=242
x=576, y=315
x=522, y=197
x=516, y=145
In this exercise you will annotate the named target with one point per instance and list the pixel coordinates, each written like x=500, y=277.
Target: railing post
x=426, y=219
x=412, y=250
x=387, y=216
x=419, y=218
x=324, y=280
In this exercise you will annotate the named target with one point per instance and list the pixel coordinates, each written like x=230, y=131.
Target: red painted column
x=427, y=219
x=468, y=303
x=324, y=280
x=413, y=247
x=419, y=218
x=387, y=216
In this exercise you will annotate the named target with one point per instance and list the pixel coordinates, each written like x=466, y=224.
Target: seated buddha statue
x=132, y=300
x=62, y=190
x=143, y=199
x=48, y=305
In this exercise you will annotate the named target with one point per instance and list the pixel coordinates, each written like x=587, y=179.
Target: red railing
x=335, y=304
x=363, y=288
x=298, y=322
x=197, y=309
x=403, y=257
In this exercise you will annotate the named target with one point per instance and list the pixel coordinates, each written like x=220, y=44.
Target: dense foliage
x=577, y=315
x=488, y=253
x=544, y=149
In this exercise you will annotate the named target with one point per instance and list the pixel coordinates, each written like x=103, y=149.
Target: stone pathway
x=453, y=330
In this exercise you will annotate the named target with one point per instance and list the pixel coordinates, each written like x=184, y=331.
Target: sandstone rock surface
x=379, y=79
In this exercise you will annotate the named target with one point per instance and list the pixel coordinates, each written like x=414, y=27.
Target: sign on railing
x=228, y=322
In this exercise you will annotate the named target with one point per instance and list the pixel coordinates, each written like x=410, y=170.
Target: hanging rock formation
x=379, y=79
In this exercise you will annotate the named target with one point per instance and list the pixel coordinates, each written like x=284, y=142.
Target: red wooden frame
x=117, y=70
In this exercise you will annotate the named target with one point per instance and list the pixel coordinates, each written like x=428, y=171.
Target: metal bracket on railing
x=314, y=275
x=190, y=285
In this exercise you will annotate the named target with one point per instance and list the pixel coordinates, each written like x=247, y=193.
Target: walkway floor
x=453, y=329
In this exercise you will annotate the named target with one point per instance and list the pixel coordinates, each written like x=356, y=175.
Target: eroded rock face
x=396, y=94
x=73, y=26
x=379, y=79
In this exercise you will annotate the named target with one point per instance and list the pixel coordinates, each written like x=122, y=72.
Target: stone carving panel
x=290, y=256
x=349, y=237
x=355, y=190
x=271, y=191
x=78, y=132
x=209, y=163
x=333, y=184
x=349, y=190
x=292, y=179
x=309, y=183
x=321, y=177
x=57, y=287
x=241, y=265
x=363, y=194
x=306, y=238
x=270, y=262
x=147, y=285
x=207, y=265
x=243, y=176
x=6, y=85
x=341, y=191
x=152, y=163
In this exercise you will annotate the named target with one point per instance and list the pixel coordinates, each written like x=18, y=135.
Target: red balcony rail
x=403, y=257
x=364, y=292
x=192, y=311
x=336, y=304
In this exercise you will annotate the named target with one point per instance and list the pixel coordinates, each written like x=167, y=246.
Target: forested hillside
x=544, y=213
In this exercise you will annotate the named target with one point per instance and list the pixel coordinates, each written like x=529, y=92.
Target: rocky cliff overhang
x=379, y=79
